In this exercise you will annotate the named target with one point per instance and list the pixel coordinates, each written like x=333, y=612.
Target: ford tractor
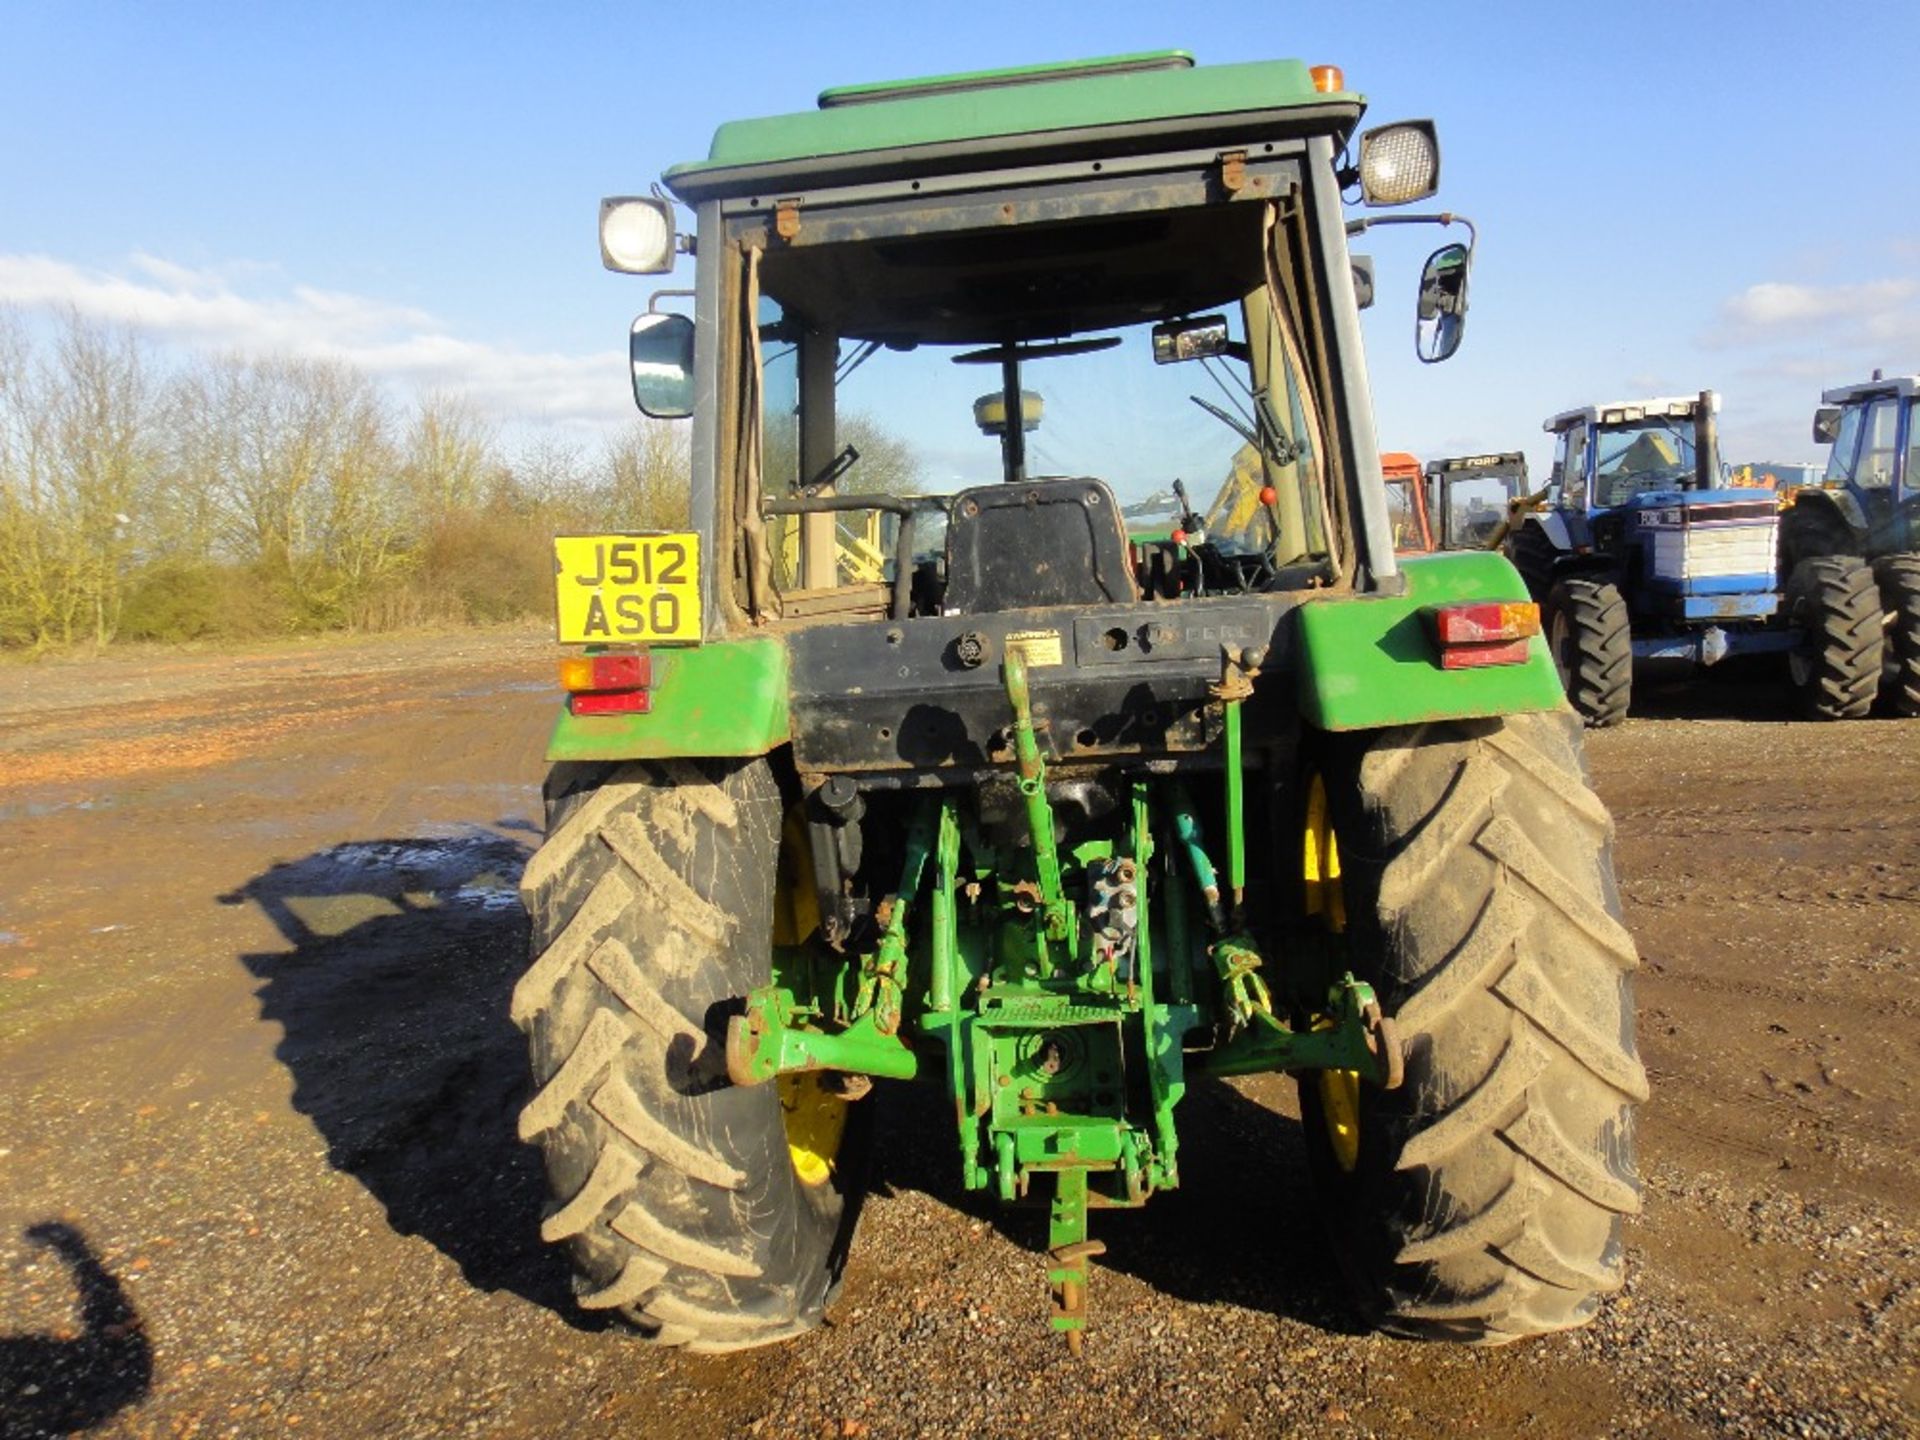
x=1471, y=495
x=1851, y=551
x=1640, y=554
x=1052, y=820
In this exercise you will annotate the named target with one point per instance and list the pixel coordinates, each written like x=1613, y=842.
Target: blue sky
x=1669, y=197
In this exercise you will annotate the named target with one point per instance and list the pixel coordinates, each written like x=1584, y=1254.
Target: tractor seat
x=1055, y=541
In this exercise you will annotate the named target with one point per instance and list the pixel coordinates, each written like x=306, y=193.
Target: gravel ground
x=258, y=1176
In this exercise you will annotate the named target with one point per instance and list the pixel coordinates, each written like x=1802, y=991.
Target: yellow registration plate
x=627, y=588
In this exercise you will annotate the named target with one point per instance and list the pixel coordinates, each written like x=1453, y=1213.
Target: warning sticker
x=1041, y=647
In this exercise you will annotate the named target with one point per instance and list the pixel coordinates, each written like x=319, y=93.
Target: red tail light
x=1484, y=632
x=607, y=684
x=611, y=702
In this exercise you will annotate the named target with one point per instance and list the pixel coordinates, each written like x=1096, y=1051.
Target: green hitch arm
x=1234, y=955
x=946, y=951
x=1236, y=812
x=1033, y=786
x=883, y=974
x=763, y=1041
x=1236, y=686
x=1351, y=1034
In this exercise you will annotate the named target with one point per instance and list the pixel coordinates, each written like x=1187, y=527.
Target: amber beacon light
x=1328, y=78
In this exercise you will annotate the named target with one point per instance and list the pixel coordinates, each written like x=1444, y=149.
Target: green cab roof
x=864, y=131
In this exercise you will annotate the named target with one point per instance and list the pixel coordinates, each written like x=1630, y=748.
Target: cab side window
x=1879, y=435
x=1840, y=462
x=1573, y=468
x=1911, y=476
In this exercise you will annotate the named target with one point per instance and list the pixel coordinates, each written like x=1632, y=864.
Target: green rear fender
x=1370, y=661
x=724, y=699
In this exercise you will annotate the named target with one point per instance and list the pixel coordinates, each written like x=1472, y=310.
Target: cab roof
x=1030, y=114
x=1901, y=385
x=1505, y=460
x=1626, y=412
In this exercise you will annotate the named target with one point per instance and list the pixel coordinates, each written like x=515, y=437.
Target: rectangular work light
x=636, y=234
x=1399, y=163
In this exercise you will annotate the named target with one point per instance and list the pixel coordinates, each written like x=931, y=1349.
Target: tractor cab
x=1471, y=495
x=1871, y=485
x=1638, y=487
x=1407, y=509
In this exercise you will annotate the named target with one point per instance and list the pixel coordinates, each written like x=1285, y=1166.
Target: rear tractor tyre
x=1834, y=604
x=710, y=1216
x=1899, y=577
x=1590, y=636
x=1534, y=556
x=1483, y=1200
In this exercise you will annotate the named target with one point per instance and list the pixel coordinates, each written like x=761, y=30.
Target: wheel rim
x=1801, y=666
x=815, y=1117
x=1560, y=644
x=1340, y=1108
x=1339, y=1090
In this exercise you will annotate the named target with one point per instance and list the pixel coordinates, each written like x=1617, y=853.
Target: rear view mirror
x=1826, y=424
x=1362, y=281
x=1442, y=315
x=661, y=353
x=1200, y=338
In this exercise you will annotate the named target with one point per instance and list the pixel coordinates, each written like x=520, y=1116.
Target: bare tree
x=447, y=457
x=79, y=456
x=647, y=477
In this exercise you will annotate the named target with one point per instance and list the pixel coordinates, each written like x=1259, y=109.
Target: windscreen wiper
x=1270, y=439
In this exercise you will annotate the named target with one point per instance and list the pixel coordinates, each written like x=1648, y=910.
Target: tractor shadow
x=1240, y=1230
x=393, y=999
x=65, y=1383
x=1753, y=688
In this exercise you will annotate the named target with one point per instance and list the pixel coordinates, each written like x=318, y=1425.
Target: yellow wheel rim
x=1321, y=861
x=1340, y=1108
x=1325, y=897
x=815, y=1117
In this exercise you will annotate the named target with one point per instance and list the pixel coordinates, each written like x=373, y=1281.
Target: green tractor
x=1056, y=819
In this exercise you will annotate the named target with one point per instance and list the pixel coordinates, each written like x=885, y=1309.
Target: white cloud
x=1780, y=312
x=249, y=309
x=1793, y=341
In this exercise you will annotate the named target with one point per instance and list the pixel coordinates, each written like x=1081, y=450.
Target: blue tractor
x=1850, y=548
x=1639, y=551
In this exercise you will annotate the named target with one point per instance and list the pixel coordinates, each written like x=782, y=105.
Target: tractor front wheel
x=1834, y=605
x=711, y=1216
x=1591, y=641
x=1899, y=577
x=1483, y=1200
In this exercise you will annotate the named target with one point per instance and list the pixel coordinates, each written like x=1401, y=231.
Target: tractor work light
x=1484, y=632
x=1399, y=163
x=607, y=684
x=636, y=234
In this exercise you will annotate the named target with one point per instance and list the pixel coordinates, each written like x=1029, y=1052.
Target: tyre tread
x=639, y=896
x=1509, y=1167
